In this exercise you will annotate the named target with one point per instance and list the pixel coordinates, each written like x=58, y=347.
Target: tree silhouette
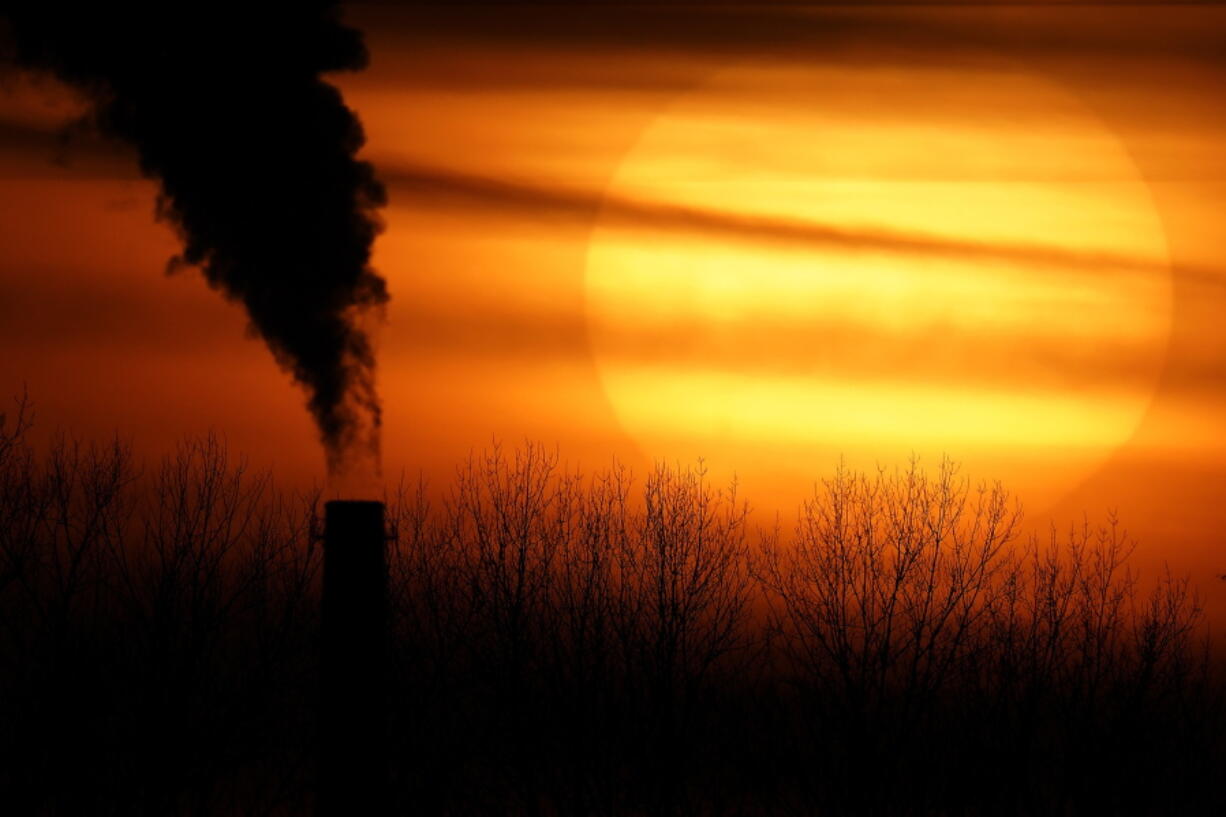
x=592, y=644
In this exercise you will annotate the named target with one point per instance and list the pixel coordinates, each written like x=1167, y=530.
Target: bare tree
x=592, y=645
x=917, y=633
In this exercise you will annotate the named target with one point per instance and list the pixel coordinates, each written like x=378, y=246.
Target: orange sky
x=770, y=237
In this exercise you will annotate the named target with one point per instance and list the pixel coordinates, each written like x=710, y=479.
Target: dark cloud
x=434, y=187
x=255, y=156
x=950, y=32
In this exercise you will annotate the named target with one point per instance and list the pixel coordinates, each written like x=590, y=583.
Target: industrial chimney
x=353, y=756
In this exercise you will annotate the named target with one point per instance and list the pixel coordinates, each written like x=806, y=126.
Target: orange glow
x=605, y=248
x=819, y=352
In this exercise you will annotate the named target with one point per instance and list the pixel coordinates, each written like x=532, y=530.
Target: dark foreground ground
x=592, y=646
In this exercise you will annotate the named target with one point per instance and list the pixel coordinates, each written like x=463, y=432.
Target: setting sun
x=785, y=350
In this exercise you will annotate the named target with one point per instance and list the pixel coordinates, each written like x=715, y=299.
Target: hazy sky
x=769, y=236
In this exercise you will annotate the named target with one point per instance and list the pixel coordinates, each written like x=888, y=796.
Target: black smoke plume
x=255, y=155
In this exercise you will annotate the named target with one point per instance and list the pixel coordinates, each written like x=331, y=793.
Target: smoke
x=255, y=155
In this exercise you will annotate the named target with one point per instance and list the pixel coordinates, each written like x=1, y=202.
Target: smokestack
x=353, y=766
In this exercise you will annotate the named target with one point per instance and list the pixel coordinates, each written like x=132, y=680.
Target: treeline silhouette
x=592, y=645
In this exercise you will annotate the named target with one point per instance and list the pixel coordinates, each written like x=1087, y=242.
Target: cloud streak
x=888, y=32
x=442, y=188
x=434, y=187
